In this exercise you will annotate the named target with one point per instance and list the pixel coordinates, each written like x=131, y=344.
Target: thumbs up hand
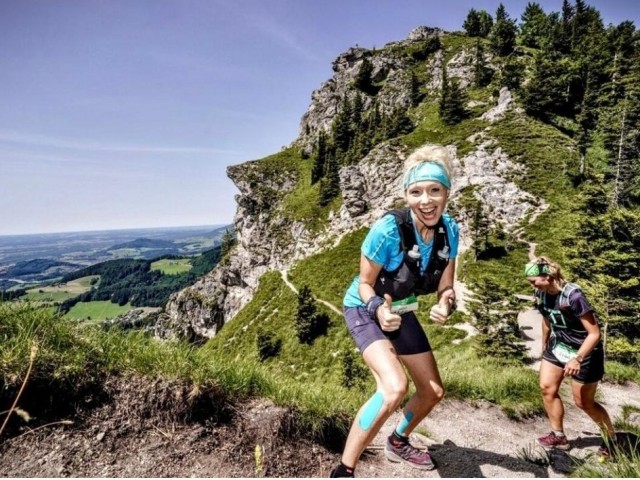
x=441, y=310
x=389, y=322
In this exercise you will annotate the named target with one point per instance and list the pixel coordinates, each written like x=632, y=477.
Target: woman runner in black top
x=571, y=347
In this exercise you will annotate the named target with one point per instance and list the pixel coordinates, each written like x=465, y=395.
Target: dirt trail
x=285, y=279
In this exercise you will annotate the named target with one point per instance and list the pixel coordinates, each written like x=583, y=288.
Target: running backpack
x=406, y=279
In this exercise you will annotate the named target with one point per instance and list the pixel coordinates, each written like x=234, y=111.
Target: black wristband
x=453, y=307
x=372, y=306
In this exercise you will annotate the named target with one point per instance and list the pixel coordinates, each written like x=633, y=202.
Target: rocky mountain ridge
x=266, y=241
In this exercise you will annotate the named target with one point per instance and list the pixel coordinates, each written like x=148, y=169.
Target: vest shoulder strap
x=408, y=236
x=565, y=294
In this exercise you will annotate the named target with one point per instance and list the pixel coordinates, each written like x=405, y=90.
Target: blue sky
x=126, y=113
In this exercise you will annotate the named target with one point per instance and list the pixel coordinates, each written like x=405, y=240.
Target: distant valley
x=32, y=260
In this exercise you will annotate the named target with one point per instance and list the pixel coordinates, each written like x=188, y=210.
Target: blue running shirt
x=382, y=246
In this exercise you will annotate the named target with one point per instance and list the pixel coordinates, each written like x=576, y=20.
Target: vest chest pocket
x=557, y=318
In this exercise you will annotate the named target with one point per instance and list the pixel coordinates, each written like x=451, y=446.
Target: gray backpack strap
x=566, y=293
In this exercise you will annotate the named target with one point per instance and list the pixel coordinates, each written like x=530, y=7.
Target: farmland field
x=98, y=310
x=172, y=266
x=61, y=292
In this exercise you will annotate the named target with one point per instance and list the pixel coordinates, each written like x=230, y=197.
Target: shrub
x=268, y=345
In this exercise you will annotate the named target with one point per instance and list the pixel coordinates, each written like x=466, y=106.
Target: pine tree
x=471, y=24
x=503, y=33
x=415, y=95
x=364, y=80
x=486, y=23
x=621, y=48
x=310, y=324
x=268, y=345
x=566, y=28
x=511, y=73
x=329, y=187
x=481, y=73
x=342, y=129
x=356, y=112
x=374, y=124
x=305, y=313
x=480, y=226
x=319, y=158
x=544, y=95
x=452, y=101
x=534, y=26
x=578, y=25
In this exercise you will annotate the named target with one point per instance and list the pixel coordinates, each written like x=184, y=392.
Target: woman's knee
x=548, y=389
x=431, y=395
x=395, y=391
x=437, y=393
x=583, y=403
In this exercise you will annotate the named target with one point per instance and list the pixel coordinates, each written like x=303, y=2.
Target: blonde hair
x=554, y=270
x=429, y=153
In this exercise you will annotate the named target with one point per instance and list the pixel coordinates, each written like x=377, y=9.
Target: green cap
x=533, y=269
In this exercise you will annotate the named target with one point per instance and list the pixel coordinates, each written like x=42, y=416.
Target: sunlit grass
x=60, y=292
x=97, y=310
x=170, y=266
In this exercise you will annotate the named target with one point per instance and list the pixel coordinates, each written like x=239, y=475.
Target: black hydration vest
x=406, y=280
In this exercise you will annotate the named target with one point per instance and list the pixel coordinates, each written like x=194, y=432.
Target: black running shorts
x=591, y=368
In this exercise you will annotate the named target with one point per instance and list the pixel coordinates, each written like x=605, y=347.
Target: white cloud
x=37, y=140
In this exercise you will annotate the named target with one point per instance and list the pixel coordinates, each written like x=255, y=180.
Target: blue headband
x=426, y=171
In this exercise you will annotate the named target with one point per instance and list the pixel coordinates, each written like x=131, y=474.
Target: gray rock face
x=505, y=102
x=389, y=69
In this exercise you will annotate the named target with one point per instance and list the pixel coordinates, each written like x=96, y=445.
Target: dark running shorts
x=591, y=368
x=409, y=339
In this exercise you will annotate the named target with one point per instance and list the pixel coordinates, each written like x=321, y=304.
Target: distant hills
x=146, y=248
x=145, y=243
x=31, y=260
x=40, y=267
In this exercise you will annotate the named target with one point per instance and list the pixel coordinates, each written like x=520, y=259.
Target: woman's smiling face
x=427, y=199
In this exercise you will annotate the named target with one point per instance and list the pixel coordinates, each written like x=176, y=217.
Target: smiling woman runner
x=407, y=252
x=571, y=347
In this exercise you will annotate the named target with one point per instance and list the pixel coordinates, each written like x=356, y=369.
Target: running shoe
x=407, y=453
x=607, y=448
x=554, y=441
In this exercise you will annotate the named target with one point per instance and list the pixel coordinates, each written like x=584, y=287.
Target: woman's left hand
x=572, y=367
x=441, y=310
